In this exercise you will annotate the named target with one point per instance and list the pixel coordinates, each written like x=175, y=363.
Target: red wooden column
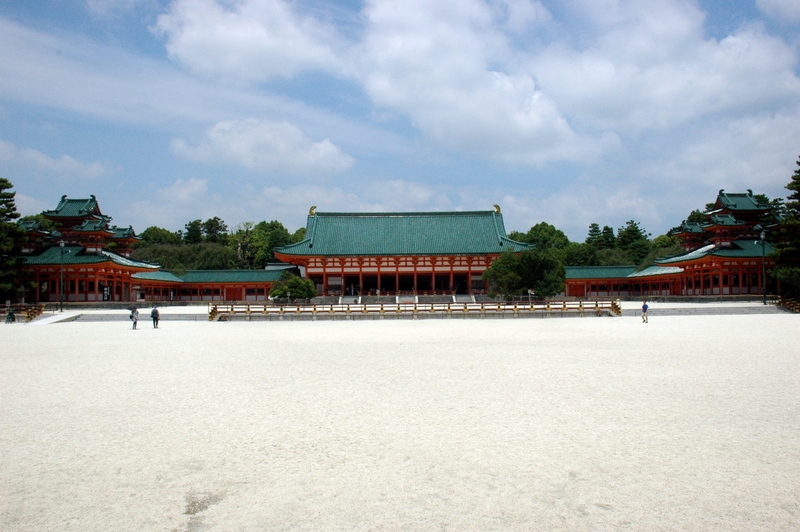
x=739, y=269
x=433, y=260
x=342, y=262
x=469, y=275
x=324, y=276
x=451, y=260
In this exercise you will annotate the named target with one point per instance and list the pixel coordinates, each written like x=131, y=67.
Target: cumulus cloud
x=266, y=147
x=450, y=67
x=65, y=165
x=247, y=40
x=184, y=191
x=743, y=153
x=651, y=67
x=784, y=10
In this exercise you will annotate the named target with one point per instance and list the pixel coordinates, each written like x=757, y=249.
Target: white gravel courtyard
x=685, y=423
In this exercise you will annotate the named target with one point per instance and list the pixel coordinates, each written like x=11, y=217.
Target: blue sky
x=569, y=112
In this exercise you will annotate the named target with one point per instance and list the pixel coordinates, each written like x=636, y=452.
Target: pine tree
x=787, y=256
x=793, y=200
x=11, y=238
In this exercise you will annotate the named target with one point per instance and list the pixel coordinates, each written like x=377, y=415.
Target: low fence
x=415, y=310
x=792, y=305
x=22, y=312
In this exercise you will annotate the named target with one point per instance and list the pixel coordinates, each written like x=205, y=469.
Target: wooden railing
x=23, y=312
x=790, y=304
x=416, y=310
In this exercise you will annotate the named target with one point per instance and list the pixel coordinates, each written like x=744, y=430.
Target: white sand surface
x=685, y=423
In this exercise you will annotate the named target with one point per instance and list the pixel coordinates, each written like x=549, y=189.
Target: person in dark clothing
x=154, y=315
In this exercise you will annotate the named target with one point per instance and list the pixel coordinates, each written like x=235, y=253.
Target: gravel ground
x=684, y=423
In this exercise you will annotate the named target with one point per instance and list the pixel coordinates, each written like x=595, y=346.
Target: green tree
x=696, y=216
x=595, y=236
x=634, y=241
x=793, y=200
x=577, y=254
x=787, y=254
x=215, y=231
x=662, y=246
x=298, y=287
x=514, y=274
x=299, y=235
x=613, y=257
x=203, y=256
x=607, y=238
x=44, y=223
x=241, y=241
x=194, y=232
x=545, y=236
x=11, y=238
x=542, y=271
x=504, y=275
x=266, y=237
x=156, y=235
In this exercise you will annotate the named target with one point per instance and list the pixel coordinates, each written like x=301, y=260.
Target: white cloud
x=185, y=192
x=450, y=68
x=782, y=10
x=246, y=39
x=266, y=147
x=652, y=68
x=755, y=152
x=27, y=205
x=63, y=166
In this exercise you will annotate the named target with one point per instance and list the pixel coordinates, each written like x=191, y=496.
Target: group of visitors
x=154, y=315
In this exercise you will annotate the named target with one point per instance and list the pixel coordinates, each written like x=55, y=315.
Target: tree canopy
x=209, y=245
x=541, y=271
x=291, y=286
x=11, y=238
x=787, y=255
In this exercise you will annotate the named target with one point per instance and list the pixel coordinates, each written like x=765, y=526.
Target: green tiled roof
x=30, y=226
x=738, y=249
x=159, y=275
x=598, y=272
x=657, y=270
x=692, y=227
x=77, y=255
x=232, y=276
x=73, y=208
x=745, y=249
x=617, y=272
x=405, y=233
x=724, y=220
x=92, y=226
x=124, y=232
x=738, y=201
x=698, y=253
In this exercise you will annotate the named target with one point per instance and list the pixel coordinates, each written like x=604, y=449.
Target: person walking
x=644, y=312
x=154, y=315
x=134, y=317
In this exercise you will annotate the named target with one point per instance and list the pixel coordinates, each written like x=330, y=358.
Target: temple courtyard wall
x=688, y=422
